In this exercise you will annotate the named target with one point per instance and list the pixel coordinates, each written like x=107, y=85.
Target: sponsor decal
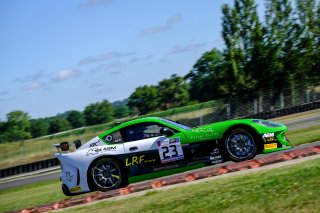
x=69, y=176
x=216, y=159
x=108, y=138
x=76, y=189
x=270, y=146
x=215, y=151
x=215, y=156
x=94, y=143
x=170, y=150
x=138, y=160
x=268, y=137
x=97, y=150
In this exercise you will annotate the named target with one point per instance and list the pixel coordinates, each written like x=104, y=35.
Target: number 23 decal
x=170, y=150
x=166, y=154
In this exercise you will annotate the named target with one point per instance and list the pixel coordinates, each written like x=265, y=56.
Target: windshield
x=176, y=124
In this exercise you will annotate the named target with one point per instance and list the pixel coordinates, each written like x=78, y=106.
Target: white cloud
x=174, y=19
x=95, y=85
x=167, y=26
x=103, y=57
x=94, y=3
x=30, y=78
x=114, y=72
x=188, y=48
x=4, y=93
x=32, y=86
x=67, y=74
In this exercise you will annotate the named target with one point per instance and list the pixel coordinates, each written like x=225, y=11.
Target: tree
x=58, y=124
x=18, y=126
x=39, y=127
x=145, y=99
x=3, y=133
x=205, y=78
x=121, y=111
x=308, y=44
x=98, y=113
x=281, y=37
x=241, y=31
x=75, y=118
x=173, y=92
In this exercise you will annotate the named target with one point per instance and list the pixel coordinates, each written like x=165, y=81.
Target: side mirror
x=166, y=131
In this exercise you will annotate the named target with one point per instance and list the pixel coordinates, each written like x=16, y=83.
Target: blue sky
x=63, y=55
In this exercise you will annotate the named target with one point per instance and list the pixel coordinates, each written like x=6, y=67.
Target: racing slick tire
x=65, y=190
x=240, y=144
x=106, y=174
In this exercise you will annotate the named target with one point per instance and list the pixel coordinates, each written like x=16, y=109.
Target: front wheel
x=240, y=145
x=106, y=174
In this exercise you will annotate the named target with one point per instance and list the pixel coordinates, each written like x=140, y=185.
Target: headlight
x=266, y=123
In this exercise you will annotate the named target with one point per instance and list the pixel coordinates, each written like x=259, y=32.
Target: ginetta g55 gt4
x=151, y=144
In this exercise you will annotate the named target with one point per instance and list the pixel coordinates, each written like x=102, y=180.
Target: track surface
x=303, y=123
x=298, y=123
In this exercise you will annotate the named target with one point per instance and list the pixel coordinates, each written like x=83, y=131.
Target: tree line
x=282, y=51
x=20, y=126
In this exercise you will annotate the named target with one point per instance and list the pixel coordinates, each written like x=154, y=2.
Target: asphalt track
x=54, y=173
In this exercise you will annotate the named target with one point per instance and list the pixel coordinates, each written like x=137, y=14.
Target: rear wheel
x=106, y=174
x=240, y=145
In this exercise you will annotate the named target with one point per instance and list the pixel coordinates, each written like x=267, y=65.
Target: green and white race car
x=148, y=144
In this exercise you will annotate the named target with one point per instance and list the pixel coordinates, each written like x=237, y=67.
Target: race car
x=151, y=144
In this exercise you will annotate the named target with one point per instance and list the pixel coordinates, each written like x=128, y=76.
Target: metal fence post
x=228, y=110
x=255, y=106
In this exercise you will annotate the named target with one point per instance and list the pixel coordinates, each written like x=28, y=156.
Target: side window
x=141, y=131
x=114, y=137
x=153, y=130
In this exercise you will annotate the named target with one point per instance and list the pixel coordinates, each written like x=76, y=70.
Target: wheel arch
x=127, y=171
x=251, y=129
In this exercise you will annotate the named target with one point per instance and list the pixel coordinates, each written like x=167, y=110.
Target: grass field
x=293, y=188
x=17, y=153
x=305, y=135
x=288, y=189
x=50, y=191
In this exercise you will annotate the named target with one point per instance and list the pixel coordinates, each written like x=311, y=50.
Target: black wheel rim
x=240, y=145
x=106, y=174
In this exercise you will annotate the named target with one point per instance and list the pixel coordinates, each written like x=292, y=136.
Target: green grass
x=17, y=153
x=46, y=192
x=305, y=135
x=292, y=188
x=40, y=193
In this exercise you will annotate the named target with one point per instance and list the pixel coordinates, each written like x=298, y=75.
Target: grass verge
x=45, y=192
x=292, y=188
x=305, y=135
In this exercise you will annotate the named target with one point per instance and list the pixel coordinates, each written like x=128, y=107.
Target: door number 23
x=169, y=151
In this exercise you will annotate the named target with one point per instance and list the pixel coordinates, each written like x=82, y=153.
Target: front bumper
x=274, y=142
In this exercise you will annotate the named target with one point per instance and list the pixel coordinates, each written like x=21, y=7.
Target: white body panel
x=81, y=160
x=78, y=162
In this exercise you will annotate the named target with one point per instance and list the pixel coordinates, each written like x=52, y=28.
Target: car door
x=140, y=144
